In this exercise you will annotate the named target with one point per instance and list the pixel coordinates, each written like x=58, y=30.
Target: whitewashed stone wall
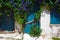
x=56, y=31
x=45, y=25
x=45, y=21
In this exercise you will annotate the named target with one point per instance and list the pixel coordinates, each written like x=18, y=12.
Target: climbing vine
x=21, y=8
x=35, y=31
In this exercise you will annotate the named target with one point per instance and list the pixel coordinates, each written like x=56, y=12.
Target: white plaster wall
x=56, y=31
x=45, y=21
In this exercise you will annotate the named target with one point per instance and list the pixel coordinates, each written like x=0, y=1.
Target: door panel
x=7, y=22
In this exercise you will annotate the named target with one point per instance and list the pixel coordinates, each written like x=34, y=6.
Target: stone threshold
x=6, y=32
x=54, y=24
x=13, y=36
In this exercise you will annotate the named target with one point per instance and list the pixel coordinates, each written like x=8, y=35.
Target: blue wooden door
x=29, y=25
x=54, y=17
x=7, y=22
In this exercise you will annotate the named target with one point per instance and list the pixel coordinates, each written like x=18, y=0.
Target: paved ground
x=27, y=37
x=10, y=37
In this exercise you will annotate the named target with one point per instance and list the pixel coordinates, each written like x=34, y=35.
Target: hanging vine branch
x=21, y=8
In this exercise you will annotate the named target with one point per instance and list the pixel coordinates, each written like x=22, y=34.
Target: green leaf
x=0, y=13
x=21, y=21
x=35, y=31
x=0, y=5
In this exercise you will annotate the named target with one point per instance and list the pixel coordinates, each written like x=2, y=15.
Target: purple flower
x=20, y=8
x=28, y=9
x=27, y=2
x=25, y=9
x=24, y=5
x=39, y=0
x=58, y=0
x=11, y=2
x=23, y=1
